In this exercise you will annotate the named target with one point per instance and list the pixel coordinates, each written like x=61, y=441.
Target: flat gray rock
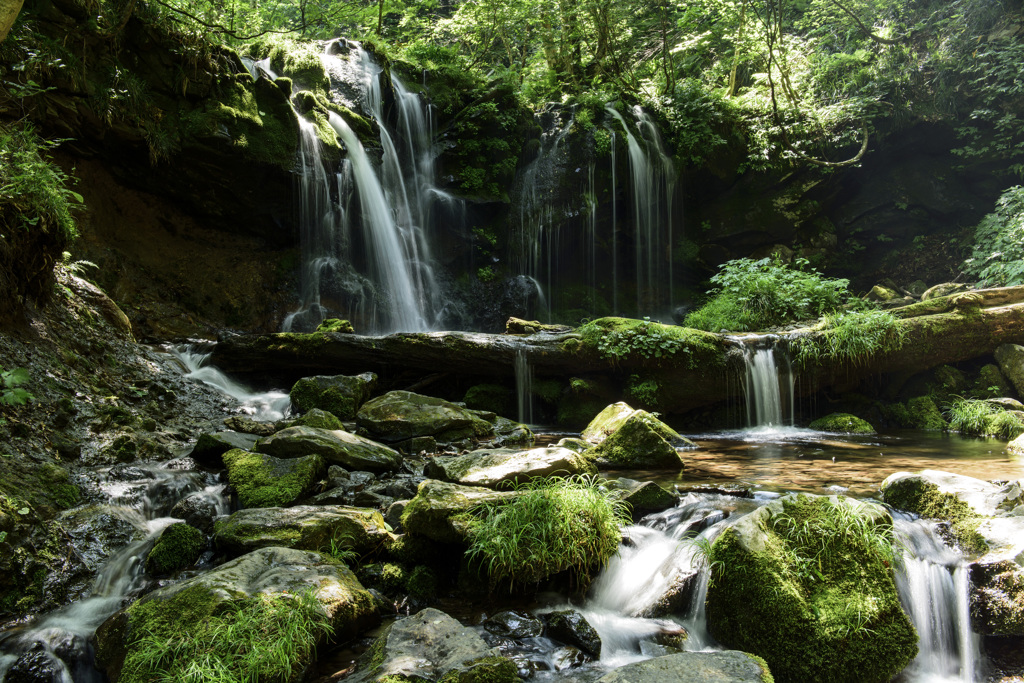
x=337, y=447
x=729, y=666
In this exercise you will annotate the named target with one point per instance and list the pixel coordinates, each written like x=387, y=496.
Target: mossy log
x=698, y=369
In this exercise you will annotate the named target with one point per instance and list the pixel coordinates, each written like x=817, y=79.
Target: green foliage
x=753, y=294
x=644, y=339
x=555, y=525
x=178, y=547
x=263, y=638
x=11, y=392
x=851, y=337
x=35, y=193
x=997, y=258
x=981, y=418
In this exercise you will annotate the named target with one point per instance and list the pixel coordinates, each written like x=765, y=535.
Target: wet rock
x=262, y=480
x=508, y=433
x=270, y=573
x=178, y=547
x=340, y=395
x=729, y=666
x=36, y=667
x=568, y=657
x=336, y=446
x=997, y=598
x=642, y=497
x=624, y=437
x=372, y=499
x=904, y=491
x=98, y=531
x=495, y=467
x=416, y=445
x=197, y=510
x=321, y=419
x=393, y=516
x=762, y=602
x=403, y=486
x=944, y=289
x=721, y=490
x=677, y=598
x=430, y=645
x=434, y=512
x=401, y=415
x=304, y=527
x=572, y=628
x=842, y=423
x=514, y=624
x=212, y=446
x=247, y=425
x=1011, y=361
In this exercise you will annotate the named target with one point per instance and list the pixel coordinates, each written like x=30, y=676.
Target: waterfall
x=373, y=263
x=615, y=219
x=769, y=382
x=653, y=186
x=265, y=405
x=934, y=588
x=524, y=386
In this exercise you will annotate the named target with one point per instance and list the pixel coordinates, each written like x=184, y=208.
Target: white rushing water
x=262, y=405
x=524, y=387
x=769, y=382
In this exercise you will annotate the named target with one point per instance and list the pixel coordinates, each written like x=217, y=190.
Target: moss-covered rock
x=633, y=438
x=337, y=447
x=319, y=419
x=262, y=480
x=495, y=398
x=178, y=547
x=401, y=415
x=992, y=383
x=642, y=497
x=1011, y=361
x=328, y=528
x=997, y=598
x=920, y=412
x=807, y=584
x=193, y=614
x=963, y=502
x=843, y=423
x=439, y=510
x=341, y=395
x=498, y=467
x=212, y=445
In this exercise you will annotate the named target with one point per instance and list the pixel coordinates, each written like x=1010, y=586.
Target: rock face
x=176, y=610
x=434, y=512
x=1011, y=361
x=841, y=622
x=843, y=423
x=431, y=646
x=624, y=437
x=400, y=415
x=729, y=666
x=262, y=480
x=341, y=395
x=304, y=527
x=496, y=467
x=514, y=624
x=572, y=628
x=210, y=447
x=336, y=446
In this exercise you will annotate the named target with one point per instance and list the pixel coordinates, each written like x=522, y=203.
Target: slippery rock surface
x=435, y=511
x=572, y=628
x=304, y=527
x=262, y=480
x=642, y=497
x=211, y=446
x=337, y=447
x=1011, y=361
x=729, y=666
x=270, y=571
x=400, y=415
x=624, y=437
x=514, y=624
x=430, y=646
x=496, y=467
x=341, y=395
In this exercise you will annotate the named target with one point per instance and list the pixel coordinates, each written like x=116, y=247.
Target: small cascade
x=769, y=382
x=266, y=405
x=524, y=387
x=64, y=637
x=934, y=588
x=615, y=229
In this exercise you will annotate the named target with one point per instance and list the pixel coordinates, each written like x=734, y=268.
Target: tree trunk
x=9, y=10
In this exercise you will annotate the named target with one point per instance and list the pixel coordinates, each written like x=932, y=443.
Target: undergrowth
x=851, y=337
x=981, y=418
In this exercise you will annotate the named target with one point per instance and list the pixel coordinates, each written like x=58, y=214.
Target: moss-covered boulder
x=400, y=415
x=625, y=437
x=806, y=582
x=642, y=497
x=997, y=598
x=439, y=510
x=842, y=423
x=318, y=419
x=262, y=480
x=495, y=398
x=501, y=466
x=341, y=395
x=336, y=446
x=1011, y=361
x=572, y=628
x=212, y=445
x=304, y=527
x=178, y=547
x=729, y=666
x=282, y=599
x=920, y=412
x=432, y=646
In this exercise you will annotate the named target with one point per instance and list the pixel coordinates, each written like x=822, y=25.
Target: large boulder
x=178, y=547
x=572, y=628
x=499, y=466
x=262, y=480
x=400, y=415
x=792, y=586
x=212, y=445
x=642, y=497
x=624, y=437
x=191, y=614
x=1011, y=361
x=432, y=646
x=340, y=395
x=337, y=447
x=729, y=666
x=439, y=508
x=842, y=423
x=97, y=531
x=305, y=527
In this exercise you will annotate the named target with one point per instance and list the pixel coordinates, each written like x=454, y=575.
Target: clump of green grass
x=556, y=525
x=266, y=638
x=981, y=418
x=851, y=337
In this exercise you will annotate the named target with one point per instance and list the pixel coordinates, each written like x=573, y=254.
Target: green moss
x=816, y=600
x=263, y=481
x=643, y=391
x=422, y=583
x=842, y=423
x=925, y=499
x=336, y=325
x=920, y=412
x=178, y=547
x=320, y=419
x=308, y=393
x=494, y=398
x=484, y=670
x=548, y=390
x=258, y=118
x=623, y=338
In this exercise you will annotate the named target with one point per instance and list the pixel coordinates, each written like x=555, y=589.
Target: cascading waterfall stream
x=524, y=387
x=265, y=405
x=769, y=382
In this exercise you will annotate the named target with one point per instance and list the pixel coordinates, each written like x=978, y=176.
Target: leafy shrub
x=753, y=294
x=981, y=418
x=11, y=392
x=998, y=255
x=555, y=525
x=852, y=337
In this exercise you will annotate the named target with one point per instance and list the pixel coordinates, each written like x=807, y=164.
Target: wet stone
x=514, y=624
x=36, y=667
x=196, y=510
x=572, y=628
